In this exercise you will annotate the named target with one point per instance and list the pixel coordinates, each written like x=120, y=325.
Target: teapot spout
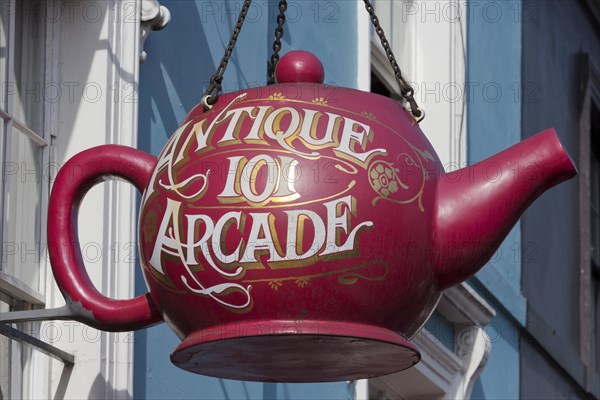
x=477, y=206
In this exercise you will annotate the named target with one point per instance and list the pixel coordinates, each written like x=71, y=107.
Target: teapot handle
x=73, y=181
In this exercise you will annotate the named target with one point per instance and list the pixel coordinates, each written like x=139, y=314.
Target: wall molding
x=119, y=200
x=99, y=51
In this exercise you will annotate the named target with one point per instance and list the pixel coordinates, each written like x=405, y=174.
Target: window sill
x=18, y=289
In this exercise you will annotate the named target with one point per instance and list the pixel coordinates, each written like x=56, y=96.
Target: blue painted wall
x=494, y=123
x=497, y=381
x=500, y=377
x=181, y=60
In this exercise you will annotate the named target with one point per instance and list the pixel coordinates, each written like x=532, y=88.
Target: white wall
x=96, y=49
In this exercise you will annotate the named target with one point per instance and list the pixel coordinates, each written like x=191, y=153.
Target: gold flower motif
x=277, y=96
x=369, y=115
x=303, y=281
x=320, y=100
x=275, y=285
x=383, y=180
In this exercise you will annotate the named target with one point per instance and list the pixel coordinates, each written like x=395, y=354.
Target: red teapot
x=298, y=232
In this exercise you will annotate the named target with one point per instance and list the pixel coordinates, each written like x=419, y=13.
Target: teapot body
x=293, y=208
x=298, y=232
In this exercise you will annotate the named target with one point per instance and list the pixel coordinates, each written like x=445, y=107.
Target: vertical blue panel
x=500, y=377
x=494, y=122
x=181, y=59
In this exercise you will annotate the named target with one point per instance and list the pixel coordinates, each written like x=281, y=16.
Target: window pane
x=4, y=26
x=30, y=63
x=22, y=202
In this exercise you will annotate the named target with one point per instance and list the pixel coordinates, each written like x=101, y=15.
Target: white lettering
x=167, y=240
x=351, y=137
x=337, y=219
x=260, y=237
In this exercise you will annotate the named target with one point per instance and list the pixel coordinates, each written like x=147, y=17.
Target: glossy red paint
x=478, y=206
x=300, y=232
x=299, y=66
x=73, y=181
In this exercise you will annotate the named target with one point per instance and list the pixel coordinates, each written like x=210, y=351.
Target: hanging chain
x=211, y=95
x=405, y=89
x=277, y=43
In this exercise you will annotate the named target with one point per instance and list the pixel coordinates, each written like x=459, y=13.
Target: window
x=379, y=86
x=24, y=151
x=589, y=224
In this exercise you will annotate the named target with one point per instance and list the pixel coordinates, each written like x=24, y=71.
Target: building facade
x=487, y=73
x=559, y=349
x=69, y=82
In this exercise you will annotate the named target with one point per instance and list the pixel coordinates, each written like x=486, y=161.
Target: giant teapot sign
x=299, y=232
x=269, y=185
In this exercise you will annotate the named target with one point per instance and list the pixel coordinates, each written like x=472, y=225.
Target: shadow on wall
x=173, y=67
x=165, y=95
x=102, y=389
x=181, y=61
x=63, y=382
x=79, y=74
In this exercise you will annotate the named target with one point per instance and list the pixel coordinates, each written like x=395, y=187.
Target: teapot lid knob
x=299, y=66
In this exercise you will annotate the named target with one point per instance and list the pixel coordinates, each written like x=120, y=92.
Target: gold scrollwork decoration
x=354, y=274
x=374, y=271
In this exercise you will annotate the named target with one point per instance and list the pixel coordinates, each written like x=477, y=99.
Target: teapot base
x=295, y=351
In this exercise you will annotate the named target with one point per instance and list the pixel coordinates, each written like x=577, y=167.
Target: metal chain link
x=277, y=43
x=405, y=89
x=211, y=95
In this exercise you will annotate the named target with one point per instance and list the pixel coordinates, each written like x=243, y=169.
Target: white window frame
x=11, y=285
x=435, y=68
x=24, y=360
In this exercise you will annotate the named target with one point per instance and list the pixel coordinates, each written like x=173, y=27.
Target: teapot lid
x=299, y=66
